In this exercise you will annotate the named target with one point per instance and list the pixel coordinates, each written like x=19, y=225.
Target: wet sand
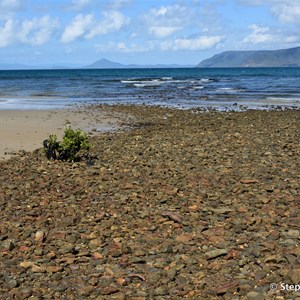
x=26, y=129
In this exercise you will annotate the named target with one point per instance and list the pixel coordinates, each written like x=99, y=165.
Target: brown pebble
x=172, y=215
x=176, y=206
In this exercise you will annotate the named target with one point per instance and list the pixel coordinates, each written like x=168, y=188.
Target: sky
x=79, y=32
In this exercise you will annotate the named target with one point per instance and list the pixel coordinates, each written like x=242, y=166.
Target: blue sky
x=78, y=32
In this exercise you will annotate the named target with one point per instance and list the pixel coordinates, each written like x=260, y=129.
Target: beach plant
x=51, y=147
x=73, y=147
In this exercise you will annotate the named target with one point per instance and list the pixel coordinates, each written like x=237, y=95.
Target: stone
x=161, y=214
x=184, y=238
x=38, y=269
x=67, y=248
x=224, y=288
x=26, y=264
x=249, y=181
x=8, y=245
x=97, y=255
x=255, y=296
x=11, y=283
x=172, y=215
x=53, y=269
x=292, y=233
x=160, y=291
x=294, y=275
x=40, y=236
x=24, y=293
x=215, y=253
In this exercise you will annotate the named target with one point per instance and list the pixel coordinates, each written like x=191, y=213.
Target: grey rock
x=216, y=253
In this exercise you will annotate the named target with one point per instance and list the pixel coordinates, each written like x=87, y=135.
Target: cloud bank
x=150, y=27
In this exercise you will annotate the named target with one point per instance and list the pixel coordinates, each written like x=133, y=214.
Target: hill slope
x=107, y=64
x=263, y=58
x=104, y=64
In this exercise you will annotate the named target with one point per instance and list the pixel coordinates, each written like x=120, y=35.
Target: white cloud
x=252, y=2
x=292, y=39
x=37, y=31
x=259, y=35
x=288, y=12
x=7, y=33
x=10, y=4
x=80, y=4
x=117, y=4
x=199, y=43
x=162, y=11
x=286, y=34
x=190, y=44
x=266, y=36
x=8, y=8
x=78, y=28
x=112, y=21
x=166, y=20
x=87, y=27
x=121, y=47
x=173, y=14
x=133, y=35
x=163, y=31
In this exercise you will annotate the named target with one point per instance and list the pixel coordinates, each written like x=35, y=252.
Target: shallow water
x=187, y=87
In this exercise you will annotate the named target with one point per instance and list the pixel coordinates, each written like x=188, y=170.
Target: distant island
x=261, y=58
x=99, y=64
x=107, y=64
x=228, y=59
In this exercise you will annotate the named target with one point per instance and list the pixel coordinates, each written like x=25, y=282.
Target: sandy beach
x=26, y=129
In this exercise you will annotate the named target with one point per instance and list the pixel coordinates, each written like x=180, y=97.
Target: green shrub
x=51, y=147
x=73, y=147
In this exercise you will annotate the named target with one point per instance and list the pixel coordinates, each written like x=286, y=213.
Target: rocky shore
x=185, y=204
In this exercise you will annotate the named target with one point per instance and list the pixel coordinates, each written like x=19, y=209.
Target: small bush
x=73, y=147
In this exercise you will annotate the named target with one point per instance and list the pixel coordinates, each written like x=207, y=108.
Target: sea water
x=221, y=88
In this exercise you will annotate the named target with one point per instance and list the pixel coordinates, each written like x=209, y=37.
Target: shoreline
x=27, y=129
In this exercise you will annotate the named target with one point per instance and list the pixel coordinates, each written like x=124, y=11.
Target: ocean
x=220, y=88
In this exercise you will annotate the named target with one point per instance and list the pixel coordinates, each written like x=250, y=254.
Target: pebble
x=173, y=216
x=8, y=245
x=23, y=293
x=215, y=253
x=160, y=291
x=11, y=283
x=188, y=206
x=255, y=296
x=295, y=234
x=295, y=275
x=39, y=236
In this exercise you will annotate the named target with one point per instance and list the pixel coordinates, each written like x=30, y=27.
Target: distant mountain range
x=262, y=58
x=99, y=64
x=229, y=59
x=107, y=64
x=37, y=67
